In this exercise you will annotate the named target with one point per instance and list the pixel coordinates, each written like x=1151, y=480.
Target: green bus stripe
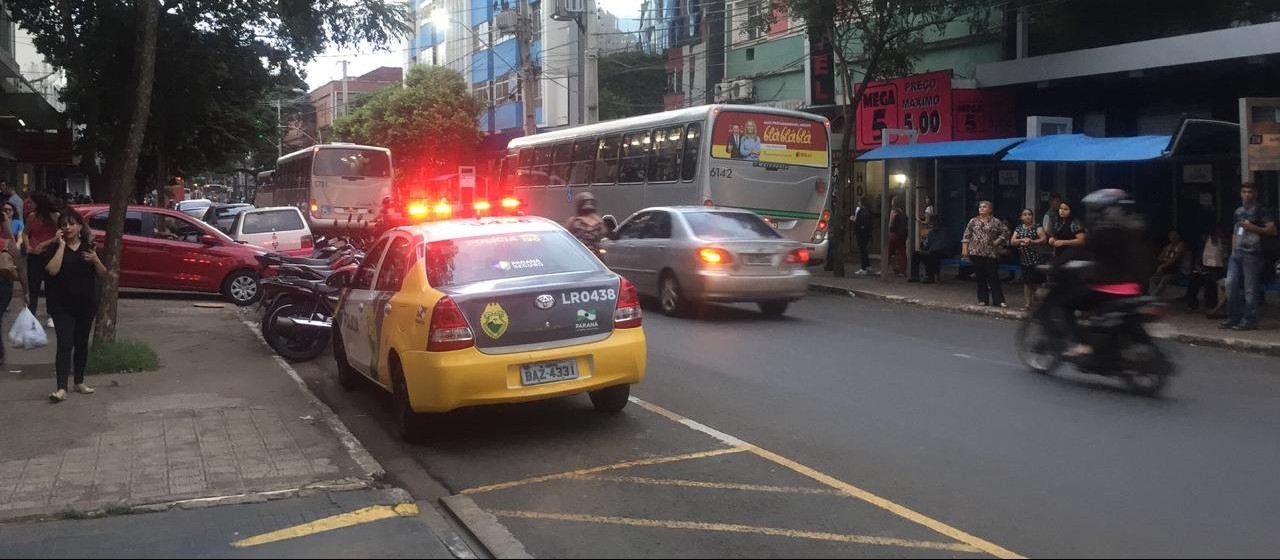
x=781, y=213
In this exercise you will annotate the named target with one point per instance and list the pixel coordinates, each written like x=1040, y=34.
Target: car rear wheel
x=241, y=288
x=611, y=400
x=413, y=426
x=671, y=297
x=348, y=377
x=774, y=308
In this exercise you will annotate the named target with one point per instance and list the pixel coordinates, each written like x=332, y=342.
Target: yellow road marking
x=593, y=470
x=357, y=517
x=712, y=485
x=848, y=489
x=733, y=528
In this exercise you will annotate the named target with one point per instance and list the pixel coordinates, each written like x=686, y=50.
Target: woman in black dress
x=74, y=269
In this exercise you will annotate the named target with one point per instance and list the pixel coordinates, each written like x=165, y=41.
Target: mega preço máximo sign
x=921, y=103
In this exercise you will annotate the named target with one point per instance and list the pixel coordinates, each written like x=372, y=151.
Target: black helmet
x=584, y=201
x=1110, y=208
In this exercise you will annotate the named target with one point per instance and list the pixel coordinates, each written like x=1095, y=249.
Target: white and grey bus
x=774, y=162
x=337, y=186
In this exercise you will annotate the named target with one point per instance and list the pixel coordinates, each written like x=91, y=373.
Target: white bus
x=774, y=162
x=337, y=186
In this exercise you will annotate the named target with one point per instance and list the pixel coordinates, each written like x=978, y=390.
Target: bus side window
x=541, y=166
x=692, y=151
x=584, y=154
x=664, y=158
x=606, y=172
x=525, y=169
x=635, y=157
x=562, y=156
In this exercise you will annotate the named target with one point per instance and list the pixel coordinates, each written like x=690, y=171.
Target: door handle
x=659, y=246
x=361, y=306
x=386, y=310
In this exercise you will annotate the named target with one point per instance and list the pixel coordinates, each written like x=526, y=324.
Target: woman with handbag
x=985, y=238
x=42, y=238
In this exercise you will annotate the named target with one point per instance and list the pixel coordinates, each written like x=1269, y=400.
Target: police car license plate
x=548, y=372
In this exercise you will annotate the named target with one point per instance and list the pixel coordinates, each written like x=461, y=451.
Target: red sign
x=822, y=76
x=982, y=113
x=921, y=103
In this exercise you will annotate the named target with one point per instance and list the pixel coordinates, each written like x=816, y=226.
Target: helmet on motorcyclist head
x=584, y=203
x=1110, y=208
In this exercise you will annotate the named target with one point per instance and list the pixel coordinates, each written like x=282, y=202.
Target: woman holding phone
x=73, y=269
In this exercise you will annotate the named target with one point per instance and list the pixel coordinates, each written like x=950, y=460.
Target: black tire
x=774, y=308
x=241, y=288
x=611, y=400
x=348, y=378
x=413, y=426
x=1036, y=348
x=671, y=298
x=295, y=346
x=1150, y=376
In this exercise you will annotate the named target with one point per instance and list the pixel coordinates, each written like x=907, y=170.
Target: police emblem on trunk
x=494, y=321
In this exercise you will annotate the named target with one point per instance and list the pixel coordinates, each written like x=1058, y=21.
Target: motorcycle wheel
x=296, y=345
x=1150, y=371
x=1037, y=349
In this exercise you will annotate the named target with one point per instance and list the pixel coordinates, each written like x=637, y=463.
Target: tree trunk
x=122, y=173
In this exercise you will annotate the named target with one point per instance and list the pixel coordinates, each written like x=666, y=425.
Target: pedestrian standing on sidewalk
x=1028, y=238
x=1244, y=269
x=1050, y=220
x=984, y=239
x=898, y=237
x=1068, y=231
x=1208, y=270
x=74, y=269
x=42, y=238
x=9, y=239
x=863, y=227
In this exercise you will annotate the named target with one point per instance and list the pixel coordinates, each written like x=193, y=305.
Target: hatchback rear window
x=729, y=225
x=458, y=262
x=277, y=220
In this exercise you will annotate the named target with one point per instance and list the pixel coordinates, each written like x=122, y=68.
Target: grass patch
x=122, y=356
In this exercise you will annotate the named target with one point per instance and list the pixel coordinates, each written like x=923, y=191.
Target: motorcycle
x=298, y=322
x=1124, y=335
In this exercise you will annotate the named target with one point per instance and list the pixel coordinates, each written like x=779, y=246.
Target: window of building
x=751, y=54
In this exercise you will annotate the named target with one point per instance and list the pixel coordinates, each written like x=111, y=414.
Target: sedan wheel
x=241, y=288
x=672, y=297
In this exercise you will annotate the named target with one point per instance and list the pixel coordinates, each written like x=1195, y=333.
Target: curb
x=1236, y=344
x=492, y=535
x=372, y=468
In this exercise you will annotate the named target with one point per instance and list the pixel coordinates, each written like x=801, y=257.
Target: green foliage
x=431, y=124
x=631, y=83
x=121, y=356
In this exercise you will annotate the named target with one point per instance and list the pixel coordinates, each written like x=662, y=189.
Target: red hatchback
x=168, y=250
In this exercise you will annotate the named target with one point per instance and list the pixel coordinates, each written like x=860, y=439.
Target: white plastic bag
x=27, y=332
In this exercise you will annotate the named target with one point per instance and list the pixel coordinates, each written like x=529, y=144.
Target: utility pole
x=524, y=33
x=279, y=128
x=344, y=88
x=591, y=71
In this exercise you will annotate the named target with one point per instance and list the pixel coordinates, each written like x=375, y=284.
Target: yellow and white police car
x=482, y=311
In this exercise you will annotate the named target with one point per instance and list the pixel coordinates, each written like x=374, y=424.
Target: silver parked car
x=691, y=254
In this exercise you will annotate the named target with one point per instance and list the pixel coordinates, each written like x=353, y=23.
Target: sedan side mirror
x=342, y=277
x=610, y=222
x=209, y=240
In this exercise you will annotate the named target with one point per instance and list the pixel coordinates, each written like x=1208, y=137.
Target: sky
x=328, y=66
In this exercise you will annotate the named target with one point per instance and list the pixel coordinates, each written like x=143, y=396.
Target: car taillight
x=510, y=203
x=820, y=186
x=712, y=255
x=627, y=315
x=315, y=207
x=821, y=234
x=308, y=242
x=449, y=329
x=482, y=206
x=798, y=256
x=417, y=210
x=442, y=210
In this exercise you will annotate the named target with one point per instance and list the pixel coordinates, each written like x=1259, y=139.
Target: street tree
x=108, y=49
x=431, y=124
x=631, y=83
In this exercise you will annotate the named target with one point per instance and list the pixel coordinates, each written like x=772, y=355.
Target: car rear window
x=458, y=262
x=729, y=225
x=276, y=220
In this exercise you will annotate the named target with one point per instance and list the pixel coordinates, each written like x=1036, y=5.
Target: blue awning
x=960, y=148
x=1083, y=149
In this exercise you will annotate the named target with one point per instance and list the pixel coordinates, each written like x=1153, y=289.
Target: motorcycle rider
x=1109, y=267
x=586, y=224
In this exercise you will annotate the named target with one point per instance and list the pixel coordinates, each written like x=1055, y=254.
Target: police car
x=458, y=313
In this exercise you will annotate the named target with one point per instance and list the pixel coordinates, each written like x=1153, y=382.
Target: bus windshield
x=347, y=162
x=769, y=138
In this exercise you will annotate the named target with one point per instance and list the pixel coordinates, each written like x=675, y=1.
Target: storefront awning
x=1078, y=148
x=960, y=148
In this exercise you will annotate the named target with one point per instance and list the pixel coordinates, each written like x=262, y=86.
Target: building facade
x=329, y=102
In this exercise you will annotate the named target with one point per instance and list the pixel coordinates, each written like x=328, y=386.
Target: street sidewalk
x=218, y=419
x=961, y=296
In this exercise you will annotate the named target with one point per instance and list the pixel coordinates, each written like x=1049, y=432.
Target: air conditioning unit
x=506, y=21
x=744, y=89
x=724, y=92
x=572, y=6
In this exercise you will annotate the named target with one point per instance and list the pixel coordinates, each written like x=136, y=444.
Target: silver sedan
x=690, y=254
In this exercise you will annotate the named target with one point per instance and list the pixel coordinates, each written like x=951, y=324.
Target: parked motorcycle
x=1124, y=335
x=299, y=321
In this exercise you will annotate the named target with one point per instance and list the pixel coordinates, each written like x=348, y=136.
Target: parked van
x=280, y=229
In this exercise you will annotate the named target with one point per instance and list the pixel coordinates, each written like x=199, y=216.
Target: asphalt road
x=854, y=428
